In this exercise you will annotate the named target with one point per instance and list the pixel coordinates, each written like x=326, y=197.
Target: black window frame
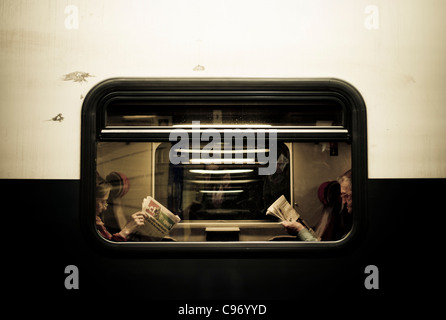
x=94, y=129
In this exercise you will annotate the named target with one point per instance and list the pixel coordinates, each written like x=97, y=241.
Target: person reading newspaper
x=103, y=188
x=290, y=219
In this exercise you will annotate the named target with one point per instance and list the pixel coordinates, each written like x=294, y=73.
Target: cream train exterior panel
x=53, y=52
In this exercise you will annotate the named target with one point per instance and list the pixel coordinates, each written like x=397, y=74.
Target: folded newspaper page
x=282, y=209
x=160, y=220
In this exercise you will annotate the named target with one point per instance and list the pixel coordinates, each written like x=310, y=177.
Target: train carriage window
x=222, y=163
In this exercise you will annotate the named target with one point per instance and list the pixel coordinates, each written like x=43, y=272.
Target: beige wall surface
x=53, y=52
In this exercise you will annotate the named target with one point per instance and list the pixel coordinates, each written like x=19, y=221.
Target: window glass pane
x=240, y=112
x=220, y=190
x=222, y=201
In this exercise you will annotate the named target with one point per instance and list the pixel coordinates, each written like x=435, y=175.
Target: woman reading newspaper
x=102, y=193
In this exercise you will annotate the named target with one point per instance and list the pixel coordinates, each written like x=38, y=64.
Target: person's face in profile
x=101, y=203
x=346, y=196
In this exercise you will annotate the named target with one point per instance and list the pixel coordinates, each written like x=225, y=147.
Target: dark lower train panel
x=43, y=236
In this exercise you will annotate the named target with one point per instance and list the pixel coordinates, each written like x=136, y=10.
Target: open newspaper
x=160, y=220
x=283, y=210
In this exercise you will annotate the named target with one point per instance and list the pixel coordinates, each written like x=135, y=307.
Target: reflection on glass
x=228, y=201
x=246, y=113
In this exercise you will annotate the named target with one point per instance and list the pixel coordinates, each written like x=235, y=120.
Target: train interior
x=221, y=201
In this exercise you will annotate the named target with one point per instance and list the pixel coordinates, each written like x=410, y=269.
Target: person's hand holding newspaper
x=158, y=219
x=290, y=218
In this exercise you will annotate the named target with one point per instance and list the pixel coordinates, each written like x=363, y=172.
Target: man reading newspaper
x=282, y=209
x=159, y=220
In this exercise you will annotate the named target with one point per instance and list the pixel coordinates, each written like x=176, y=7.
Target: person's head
x=329, y=193
x=102, y=193
x=345, y=181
